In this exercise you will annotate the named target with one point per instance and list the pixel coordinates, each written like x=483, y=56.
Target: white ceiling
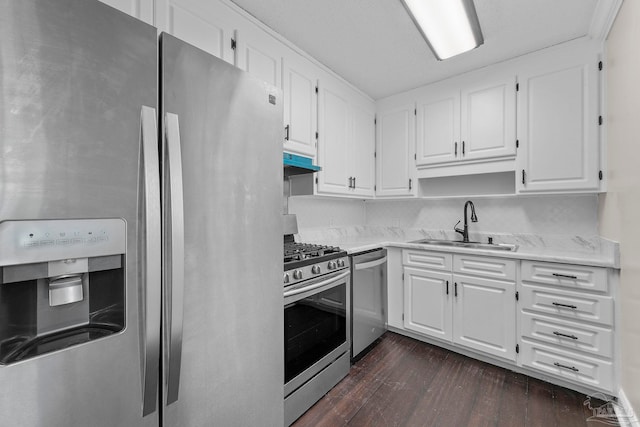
x=374, y=44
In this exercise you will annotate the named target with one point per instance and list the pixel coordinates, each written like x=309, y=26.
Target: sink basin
x=473, y=245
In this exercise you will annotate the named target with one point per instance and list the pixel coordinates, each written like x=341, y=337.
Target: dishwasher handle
x=370, y=264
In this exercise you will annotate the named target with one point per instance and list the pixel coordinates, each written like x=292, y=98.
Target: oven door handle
x=318, y=285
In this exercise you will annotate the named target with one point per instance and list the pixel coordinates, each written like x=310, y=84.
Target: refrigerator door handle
x=174, y=252
x=151, y=259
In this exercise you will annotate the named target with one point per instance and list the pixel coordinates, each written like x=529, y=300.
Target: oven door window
x=313, y=327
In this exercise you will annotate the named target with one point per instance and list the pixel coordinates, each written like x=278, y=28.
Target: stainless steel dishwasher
x=368, y=298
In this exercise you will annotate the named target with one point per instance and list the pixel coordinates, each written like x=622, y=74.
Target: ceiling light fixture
x=450, y=27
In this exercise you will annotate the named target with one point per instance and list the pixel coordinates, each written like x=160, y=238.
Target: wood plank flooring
x=404, y=382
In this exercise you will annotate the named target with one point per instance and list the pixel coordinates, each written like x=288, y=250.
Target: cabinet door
x=300, y=79
x=333, y=123
x=141, y=9
x=259, y=54
x=488, y=120
x=558, y=127
x=395, y=135
x=362, y=150
x=438, y=134
x=427, y=302
x=208, y=25
x=484, y=313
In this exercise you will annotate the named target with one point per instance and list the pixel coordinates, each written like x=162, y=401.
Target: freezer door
x=230, y=300
x=75, y=76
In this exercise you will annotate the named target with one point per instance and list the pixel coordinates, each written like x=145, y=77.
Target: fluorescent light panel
x=450, y=27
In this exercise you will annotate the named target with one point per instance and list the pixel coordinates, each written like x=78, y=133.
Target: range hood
x=298, y=165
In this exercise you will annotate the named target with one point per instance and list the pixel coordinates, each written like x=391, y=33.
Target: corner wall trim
x=624, y=411
x=603, y=17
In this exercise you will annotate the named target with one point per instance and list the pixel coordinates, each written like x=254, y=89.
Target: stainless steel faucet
x=474, y=218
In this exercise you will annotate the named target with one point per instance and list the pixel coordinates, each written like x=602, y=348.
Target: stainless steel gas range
x=316, y=322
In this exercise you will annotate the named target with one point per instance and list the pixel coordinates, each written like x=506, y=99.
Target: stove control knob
x=297, y=274
x=315, y=269
x=286, y=277
x=332, y=265
x=340, y=263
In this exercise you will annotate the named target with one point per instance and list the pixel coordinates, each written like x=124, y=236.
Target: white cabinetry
x=488, y=119
x=469, y=300
x=208, y=25
x=141, y=9
x=346, y=140
x=428, y=293
x=438, y=134
x=566, y=323
x=395, y=150
x=558, y=113
x=259, y=54
x=466, y=121
x=484, y=304
x=300, y=82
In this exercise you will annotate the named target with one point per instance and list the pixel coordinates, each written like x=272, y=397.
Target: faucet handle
x=455, y=228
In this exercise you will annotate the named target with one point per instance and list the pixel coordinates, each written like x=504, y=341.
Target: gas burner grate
x=301, y=251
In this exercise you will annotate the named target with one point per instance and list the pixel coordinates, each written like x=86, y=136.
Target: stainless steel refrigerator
x=140, y=227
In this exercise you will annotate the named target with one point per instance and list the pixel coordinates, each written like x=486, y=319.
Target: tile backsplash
x=545, y=215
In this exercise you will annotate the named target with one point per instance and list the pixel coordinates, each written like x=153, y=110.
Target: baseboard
x=624, y=411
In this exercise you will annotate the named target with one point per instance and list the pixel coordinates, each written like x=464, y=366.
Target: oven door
x=316, y=327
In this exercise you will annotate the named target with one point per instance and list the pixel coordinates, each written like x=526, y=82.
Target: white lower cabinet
x=475, y=311
x=484, y=314
x=428, y=302
x=568, y=365
x=550, y=318
x=567, y=323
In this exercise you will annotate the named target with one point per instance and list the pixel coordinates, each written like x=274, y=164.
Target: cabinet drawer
x=428, y=260
x=565, y=275
x=495, y=268
x=568, y=334
x=568, y=304
x=568, y=365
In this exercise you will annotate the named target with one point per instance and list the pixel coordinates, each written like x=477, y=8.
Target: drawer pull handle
x=557, y=304
x=573, y=337
x=571, y=368
x=565, y=276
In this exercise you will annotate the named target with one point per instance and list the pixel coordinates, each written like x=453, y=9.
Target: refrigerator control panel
x=25, y=241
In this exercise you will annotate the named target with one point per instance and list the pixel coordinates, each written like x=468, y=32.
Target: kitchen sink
x=472, y=245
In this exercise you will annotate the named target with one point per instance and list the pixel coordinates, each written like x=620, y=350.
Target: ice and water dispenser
x=62, y=283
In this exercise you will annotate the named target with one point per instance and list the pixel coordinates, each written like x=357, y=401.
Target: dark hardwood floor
x=404, y=382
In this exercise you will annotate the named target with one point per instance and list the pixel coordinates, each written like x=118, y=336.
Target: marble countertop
x=592, y=251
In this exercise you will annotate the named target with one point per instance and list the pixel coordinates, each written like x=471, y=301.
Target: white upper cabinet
x=438, y=127
x=466, y=121
x=346, y=140
x=141, y=9
x=208, y=25
x=259, y=54
x=488, y=119
x=395, y=150
x=300, y=80
x=363, y=148
x=558, y=113
x=333, y=140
